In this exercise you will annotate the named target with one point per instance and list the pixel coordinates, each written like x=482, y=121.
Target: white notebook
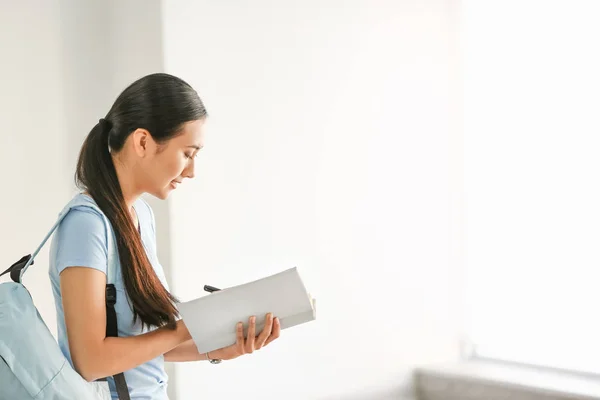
x=212, y=319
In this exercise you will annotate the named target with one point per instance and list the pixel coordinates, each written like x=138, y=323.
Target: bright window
x=532, y=180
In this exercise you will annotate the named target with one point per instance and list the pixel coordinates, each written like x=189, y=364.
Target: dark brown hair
x=161, y=104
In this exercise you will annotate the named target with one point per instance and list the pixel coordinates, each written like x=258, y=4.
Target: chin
x=161, y=194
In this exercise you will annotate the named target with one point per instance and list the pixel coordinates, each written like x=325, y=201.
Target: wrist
x=220, y=354
x=212, y=359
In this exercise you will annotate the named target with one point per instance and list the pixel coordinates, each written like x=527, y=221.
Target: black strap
x=112, y=331
x=15, y=269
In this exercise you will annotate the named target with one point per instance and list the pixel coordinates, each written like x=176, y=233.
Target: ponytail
x=96, y=173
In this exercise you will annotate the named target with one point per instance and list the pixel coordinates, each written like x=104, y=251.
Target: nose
x=189, y=172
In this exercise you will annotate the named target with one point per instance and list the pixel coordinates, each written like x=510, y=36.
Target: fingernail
x=253, y=319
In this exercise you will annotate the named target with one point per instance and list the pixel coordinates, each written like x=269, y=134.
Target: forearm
x=118, y=354
x=186, y=351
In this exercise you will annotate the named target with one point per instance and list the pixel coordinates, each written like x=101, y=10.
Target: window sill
x=486, y=380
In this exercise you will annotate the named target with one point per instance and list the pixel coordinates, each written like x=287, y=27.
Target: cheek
x=172, y=167
x=166, y=168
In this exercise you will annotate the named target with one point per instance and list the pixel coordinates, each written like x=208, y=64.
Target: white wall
x=331, y=146
x=33, y=139
x=58, y=80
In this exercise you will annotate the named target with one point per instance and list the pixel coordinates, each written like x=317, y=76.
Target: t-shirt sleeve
x=81, y=241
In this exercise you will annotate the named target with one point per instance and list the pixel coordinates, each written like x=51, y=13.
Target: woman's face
x=165, y=165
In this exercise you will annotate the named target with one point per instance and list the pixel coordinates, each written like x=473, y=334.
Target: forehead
x=192, y=134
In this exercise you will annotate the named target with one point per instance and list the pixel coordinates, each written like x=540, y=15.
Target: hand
x=248, y=345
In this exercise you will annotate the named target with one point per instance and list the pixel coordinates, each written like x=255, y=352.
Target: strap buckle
x=111, y=294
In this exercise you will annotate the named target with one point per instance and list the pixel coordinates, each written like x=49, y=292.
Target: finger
x=239, y=333
x=266, y=332
x=276, y=331
x=251, y=335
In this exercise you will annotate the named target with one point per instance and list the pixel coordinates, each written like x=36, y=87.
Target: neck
x=125, y=176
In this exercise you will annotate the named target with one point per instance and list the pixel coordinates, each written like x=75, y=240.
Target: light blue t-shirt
x=81, y=240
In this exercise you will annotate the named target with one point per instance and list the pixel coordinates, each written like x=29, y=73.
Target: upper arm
x=81, y=261
x=81, y=240
x=83, y=294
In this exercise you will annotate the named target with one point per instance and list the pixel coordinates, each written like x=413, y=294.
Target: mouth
x=174, y=184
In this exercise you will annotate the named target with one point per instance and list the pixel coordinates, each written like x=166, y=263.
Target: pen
x=210, y=289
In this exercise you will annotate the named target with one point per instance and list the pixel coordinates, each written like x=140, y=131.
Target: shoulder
x=81, y=237
x=84, y=214
x=84, y=211
x=82, y=220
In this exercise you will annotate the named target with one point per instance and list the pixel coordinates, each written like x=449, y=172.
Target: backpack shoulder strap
x=18, y=269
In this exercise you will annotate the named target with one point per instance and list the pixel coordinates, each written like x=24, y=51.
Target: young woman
x=147, y=143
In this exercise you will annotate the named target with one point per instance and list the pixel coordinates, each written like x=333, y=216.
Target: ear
x=142, y=142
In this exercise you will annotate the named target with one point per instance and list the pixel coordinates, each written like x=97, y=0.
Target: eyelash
x=189, y=156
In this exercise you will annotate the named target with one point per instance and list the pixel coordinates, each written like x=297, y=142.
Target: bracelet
x=212, y=360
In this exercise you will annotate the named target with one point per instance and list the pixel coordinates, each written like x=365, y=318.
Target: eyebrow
x=195, y=146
